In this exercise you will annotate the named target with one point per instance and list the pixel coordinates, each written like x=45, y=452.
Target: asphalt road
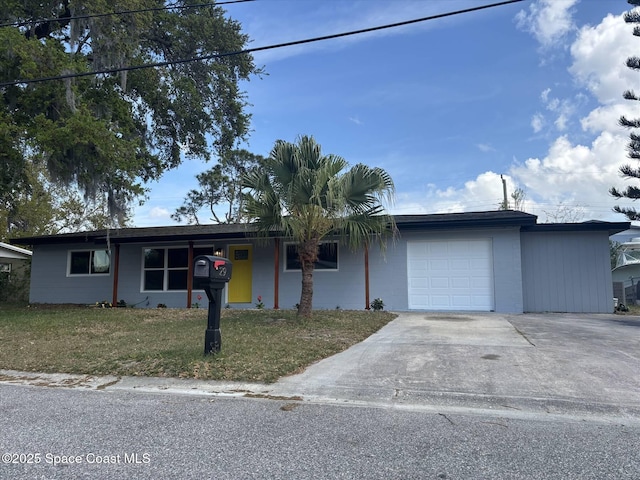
x=159, y=436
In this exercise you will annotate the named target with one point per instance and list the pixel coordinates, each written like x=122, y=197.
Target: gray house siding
x=342, y=288
x=51, y=284
x=388, y=274
x=507, y=271
x=566, y=272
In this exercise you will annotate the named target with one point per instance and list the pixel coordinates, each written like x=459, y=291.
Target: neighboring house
x=627, y=235
x=499, y=261
x=14, y=273
x=13, y=260
x=626, y=274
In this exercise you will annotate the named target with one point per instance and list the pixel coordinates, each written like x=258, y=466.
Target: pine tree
x=633, y=147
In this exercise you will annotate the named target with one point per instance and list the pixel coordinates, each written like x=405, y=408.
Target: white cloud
x=485, y=147
x=537, y=122
x=544, y=96
x=562, y=109
x=605, y=118
x=482, y=193
x=561, y=122
x=574, y=174
x=549, y=21
x=599, y=55
x=159, y=212
x=355, y=120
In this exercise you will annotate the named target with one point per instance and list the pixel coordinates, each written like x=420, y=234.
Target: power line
x=124, y=12
x=257, y=49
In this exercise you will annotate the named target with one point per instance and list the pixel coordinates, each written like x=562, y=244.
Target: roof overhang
x=610, y=227
x=11, y=251
x=493, y=219
x=202, y=233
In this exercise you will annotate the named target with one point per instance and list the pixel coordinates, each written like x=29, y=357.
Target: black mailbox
x=208, y=269
x=211, y=274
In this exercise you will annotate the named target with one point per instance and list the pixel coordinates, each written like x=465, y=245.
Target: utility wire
x=124, y=12
x=257, y=49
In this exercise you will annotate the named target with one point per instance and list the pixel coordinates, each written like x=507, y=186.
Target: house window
x=5, y=271
x=327, y=257
x=167, y=269
x=89, y=262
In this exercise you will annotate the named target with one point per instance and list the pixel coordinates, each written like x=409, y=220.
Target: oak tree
x=119, y=127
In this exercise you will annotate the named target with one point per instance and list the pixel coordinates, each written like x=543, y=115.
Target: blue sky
x=531, y=91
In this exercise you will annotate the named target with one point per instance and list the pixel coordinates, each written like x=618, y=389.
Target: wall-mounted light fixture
x=219, y=252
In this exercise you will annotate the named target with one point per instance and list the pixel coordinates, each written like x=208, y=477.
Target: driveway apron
x=549, y=363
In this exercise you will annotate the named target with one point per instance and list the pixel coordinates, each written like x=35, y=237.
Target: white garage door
x=450, y=275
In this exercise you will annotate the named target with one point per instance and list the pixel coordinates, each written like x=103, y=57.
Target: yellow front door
x=241, y=257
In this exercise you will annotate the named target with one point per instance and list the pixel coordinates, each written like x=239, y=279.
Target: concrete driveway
x=547, y=363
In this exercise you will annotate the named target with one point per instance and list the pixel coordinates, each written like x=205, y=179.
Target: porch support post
x=366, y=276
x=189, y=274
x=276, y=269
x=116, y=264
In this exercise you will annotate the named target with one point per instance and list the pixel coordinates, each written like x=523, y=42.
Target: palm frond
x=307, y=195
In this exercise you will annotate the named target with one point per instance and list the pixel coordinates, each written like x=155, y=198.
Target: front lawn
x=257, y=345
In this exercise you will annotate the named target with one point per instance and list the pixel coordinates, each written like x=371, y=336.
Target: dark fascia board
x=592, y=226
x=143, y=235
x=500, y=218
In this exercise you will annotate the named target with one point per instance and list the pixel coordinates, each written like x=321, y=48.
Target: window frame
x=286, y=246
x=89, y=273
x=166, y=269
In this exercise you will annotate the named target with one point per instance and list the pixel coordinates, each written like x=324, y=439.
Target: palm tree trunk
x=308, y=255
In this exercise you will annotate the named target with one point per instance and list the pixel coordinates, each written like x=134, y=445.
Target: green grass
x=633, y=310
x=257, y=345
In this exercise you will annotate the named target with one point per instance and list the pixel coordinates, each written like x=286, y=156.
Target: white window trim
x=5, y=267
x=166, y=269
x=89, y=274
x=286, y=270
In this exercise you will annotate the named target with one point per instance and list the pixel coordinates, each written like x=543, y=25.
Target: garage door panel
x=481, y=303
x=437, y=249
x=421, y=265
x=460, y=264
x=450, y=275
x=440, y=301
x=462, y=282
x=436, y=264
x=439, y=282
x=419, y=282
x=478, y=264
x=461, y=301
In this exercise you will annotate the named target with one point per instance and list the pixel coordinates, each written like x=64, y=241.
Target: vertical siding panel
x=566, y=272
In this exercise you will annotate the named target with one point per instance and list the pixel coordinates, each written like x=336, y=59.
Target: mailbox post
x=211, y=274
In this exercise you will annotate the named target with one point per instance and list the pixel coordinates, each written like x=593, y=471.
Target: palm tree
x=304, y=195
